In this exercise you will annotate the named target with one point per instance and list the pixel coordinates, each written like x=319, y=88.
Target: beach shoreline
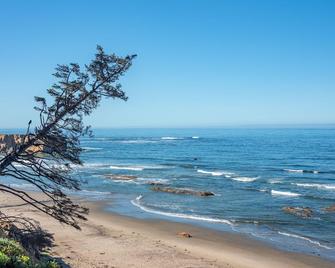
x=111, y=240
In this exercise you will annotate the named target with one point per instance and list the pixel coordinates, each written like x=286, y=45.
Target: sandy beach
x=110, y=240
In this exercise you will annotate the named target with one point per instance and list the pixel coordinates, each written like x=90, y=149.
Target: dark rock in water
x=304, y=212
x=181, y=191
x=310, y=171
x=155, y=183
x=330, y=208
x=121, y=177
x=205, y=193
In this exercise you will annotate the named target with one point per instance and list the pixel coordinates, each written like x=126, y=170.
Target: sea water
x=253, y=174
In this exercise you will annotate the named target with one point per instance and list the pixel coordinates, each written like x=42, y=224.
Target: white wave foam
x=195, y=137
x=213, y=173
x=316, y=185
x=136, y=203
x=171, y=138
x=137, y=141
x=126, y=181
x=142, y=181
x=157, y=167
x=274, y=181
x=84, y=166
x=244, y=179
x=295, y=170
x=134, y=168
x=94, y=165
x=91, y=148
x=148, y=181
x=273, y=192
x=226, y=173
x=305, y=238
x=64, y=167
x=137, y=167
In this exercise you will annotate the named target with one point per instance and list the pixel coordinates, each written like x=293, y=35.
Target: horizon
x=198, y=64
x=250, y=127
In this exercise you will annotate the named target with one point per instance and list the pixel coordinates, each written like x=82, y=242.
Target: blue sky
x=200, y=63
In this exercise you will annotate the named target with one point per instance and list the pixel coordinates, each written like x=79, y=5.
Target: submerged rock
x=304, y=212
x=330, y=208
x=155, y=183
x=181, y=191
x=121, y=177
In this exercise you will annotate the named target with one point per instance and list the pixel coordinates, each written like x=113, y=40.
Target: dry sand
x=110, y=240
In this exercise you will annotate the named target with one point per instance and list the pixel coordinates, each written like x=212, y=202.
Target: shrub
x=10, y=247
x=12, y=255
x=4, y=259
x=22, y=261
x=48, y=264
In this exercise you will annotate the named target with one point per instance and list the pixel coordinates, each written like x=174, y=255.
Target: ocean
x=253, y=174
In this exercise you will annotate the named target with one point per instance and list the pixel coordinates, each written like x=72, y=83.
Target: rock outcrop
x=330, y=208
x=181, y=191
x=304, y=212
x=8, y=142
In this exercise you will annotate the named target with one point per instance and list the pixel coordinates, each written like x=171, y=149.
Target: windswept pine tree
x=44, y=155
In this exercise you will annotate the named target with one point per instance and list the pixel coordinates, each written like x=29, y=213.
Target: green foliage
x=4, y=259
x=47, y=264
x=12, y=255
x=10, y=247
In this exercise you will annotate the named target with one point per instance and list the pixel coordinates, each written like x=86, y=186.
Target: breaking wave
x=305, y=238
x=171, y=138
x=137, y=200
x=273, y=192
x=244, y=179
x=151, y=181
x=216, y=173
x=213, y=173
x=142, y=181
x=316, y=185
x=134, y=168
x=85, y=166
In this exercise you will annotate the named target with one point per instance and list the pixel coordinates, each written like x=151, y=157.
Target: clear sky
x=200, y=63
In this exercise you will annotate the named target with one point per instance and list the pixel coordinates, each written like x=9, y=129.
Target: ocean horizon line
x=233, y=126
